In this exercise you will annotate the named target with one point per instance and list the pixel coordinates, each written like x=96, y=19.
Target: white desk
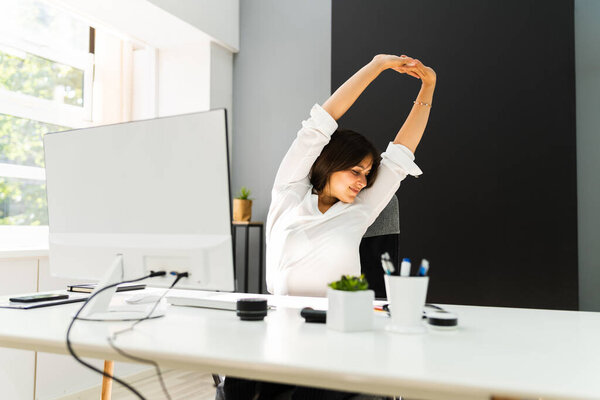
x=496, y=351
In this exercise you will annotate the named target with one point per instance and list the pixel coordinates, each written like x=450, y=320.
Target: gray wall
x=587, y=84
x=282, y=69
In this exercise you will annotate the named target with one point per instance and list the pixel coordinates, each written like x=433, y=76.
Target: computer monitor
x=155, y=192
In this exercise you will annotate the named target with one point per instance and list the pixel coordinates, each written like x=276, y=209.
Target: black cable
x=144, y=361
x=149, y=315
x=113, y=338
x=75, y=317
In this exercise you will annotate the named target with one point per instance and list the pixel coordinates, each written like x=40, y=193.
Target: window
x=22, y=189
x=53, y=68
x=45, y=86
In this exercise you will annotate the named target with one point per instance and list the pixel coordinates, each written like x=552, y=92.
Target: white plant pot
x=350, y=311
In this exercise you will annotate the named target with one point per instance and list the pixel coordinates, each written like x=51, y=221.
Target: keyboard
x=215, y=300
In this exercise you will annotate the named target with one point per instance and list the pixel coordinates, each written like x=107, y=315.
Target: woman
x=332, y=185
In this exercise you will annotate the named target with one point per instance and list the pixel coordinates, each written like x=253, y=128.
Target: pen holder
x=406, y=296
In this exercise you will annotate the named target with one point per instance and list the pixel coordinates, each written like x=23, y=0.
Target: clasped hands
x=406, y=65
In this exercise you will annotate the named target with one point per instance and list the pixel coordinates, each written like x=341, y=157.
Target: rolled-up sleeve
x=403, y=159
x=397, y=162
x=310, y=140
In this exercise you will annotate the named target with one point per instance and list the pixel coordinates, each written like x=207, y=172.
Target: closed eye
x=358, y=172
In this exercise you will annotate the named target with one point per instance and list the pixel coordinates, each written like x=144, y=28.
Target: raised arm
x=317, y=130
x=398, y=159
x=412, y=130
x=346, y=95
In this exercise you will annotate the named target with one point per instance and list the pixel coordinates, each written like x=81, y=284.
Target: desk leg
x=236, y=276
x=233, y=237
x=109, y=368
x=246, y=249
x=260, y=260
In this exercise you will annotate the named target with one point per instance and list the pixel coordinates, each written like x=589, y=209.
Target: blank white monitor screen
x=156, y=191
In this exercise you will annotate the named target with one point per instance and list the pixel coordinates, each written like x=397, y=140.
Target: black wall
x=495, y=210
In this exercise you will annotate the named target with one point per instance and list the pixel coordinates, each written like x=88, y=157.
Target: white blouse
x=307, y=249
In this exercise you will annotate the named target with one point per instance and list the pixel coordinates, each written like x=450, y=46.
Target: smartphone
x=39, y=297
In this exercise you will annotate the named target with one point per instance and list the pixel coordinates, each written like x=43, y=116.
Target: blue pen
x=386, y=263
x=424, y=268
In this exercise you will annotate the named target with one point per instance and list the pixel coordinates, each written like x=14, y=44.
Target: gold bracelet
x=421, y=104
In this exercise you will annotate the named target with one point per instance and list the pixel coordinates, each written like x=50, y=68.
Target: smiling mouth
x=354, y=190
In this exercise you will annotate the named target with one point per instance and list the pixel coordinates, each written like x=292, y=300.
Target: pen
x=384, y=308
x=386, y=263
x=405, y=267
x=424, y=268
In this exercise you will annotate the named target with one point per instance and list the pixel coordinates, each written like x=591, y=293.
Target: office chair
x=382, y=236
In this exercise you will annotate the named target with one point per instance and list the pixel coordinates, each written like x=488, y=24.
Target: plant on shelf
x=350, y=283
x=242, y=206
x=350, y=304
x=244, y=193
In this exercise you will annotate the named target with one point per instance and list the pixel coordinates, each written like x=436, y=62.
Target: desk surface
x=496, y=351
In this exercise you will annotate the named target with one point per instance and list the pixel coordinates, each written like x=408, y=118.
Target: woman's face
x=345, y=185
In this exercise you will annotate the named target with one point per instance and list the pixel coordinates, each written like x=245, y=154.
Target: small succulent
x=243, y=194
x=350, y=283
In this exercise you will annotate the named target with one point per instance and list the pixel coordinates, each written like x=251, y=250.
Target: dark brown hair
x=345, y=150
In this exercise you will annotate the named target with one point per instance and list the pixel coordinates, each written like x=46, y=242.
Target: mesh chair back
x=388, y=221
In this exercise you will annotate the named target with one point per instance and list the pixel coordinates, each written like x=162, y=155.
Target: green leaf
x=350, y=283
x=244, y=193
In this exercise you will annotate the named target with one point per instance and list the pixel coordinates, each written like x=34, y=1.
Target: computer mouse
x=311, y=315
x=143, y=298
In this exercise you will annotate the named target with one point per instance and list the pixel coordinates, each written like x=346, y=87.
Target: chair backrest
x=382, y=236
x=388, y=221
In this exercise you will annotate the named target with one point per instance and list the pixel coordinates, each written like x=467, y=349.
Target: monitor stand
x=98, y=309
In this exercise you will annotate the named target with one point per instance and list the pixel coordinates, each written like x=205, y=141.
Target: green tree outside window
x=23, y=202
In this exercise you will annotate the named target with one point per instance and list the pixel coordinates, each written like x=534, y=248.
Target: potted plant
x=350, y=305
x=242, y=205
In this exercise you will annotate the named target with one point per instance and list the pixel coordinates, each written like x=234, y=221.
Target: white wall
x=144, y=94
x=192, y=74
x=109, y=103
x=221, y=84
x=141, y=20
x=218, y=19
x=184, y=79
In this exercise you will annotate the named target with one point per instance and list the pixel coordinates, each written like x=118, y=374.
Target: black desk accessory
x=38, y=297
x=28, y=306
x=316, y=316
x=251, y=309
x=442, y=319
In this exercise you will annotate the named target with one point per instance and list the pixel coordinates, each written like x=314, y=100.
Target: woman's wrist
x=379, y=62
x=426, y=93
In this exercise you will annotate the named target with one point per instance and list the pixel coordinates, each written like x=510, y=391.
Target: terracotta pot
x=242, y=210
